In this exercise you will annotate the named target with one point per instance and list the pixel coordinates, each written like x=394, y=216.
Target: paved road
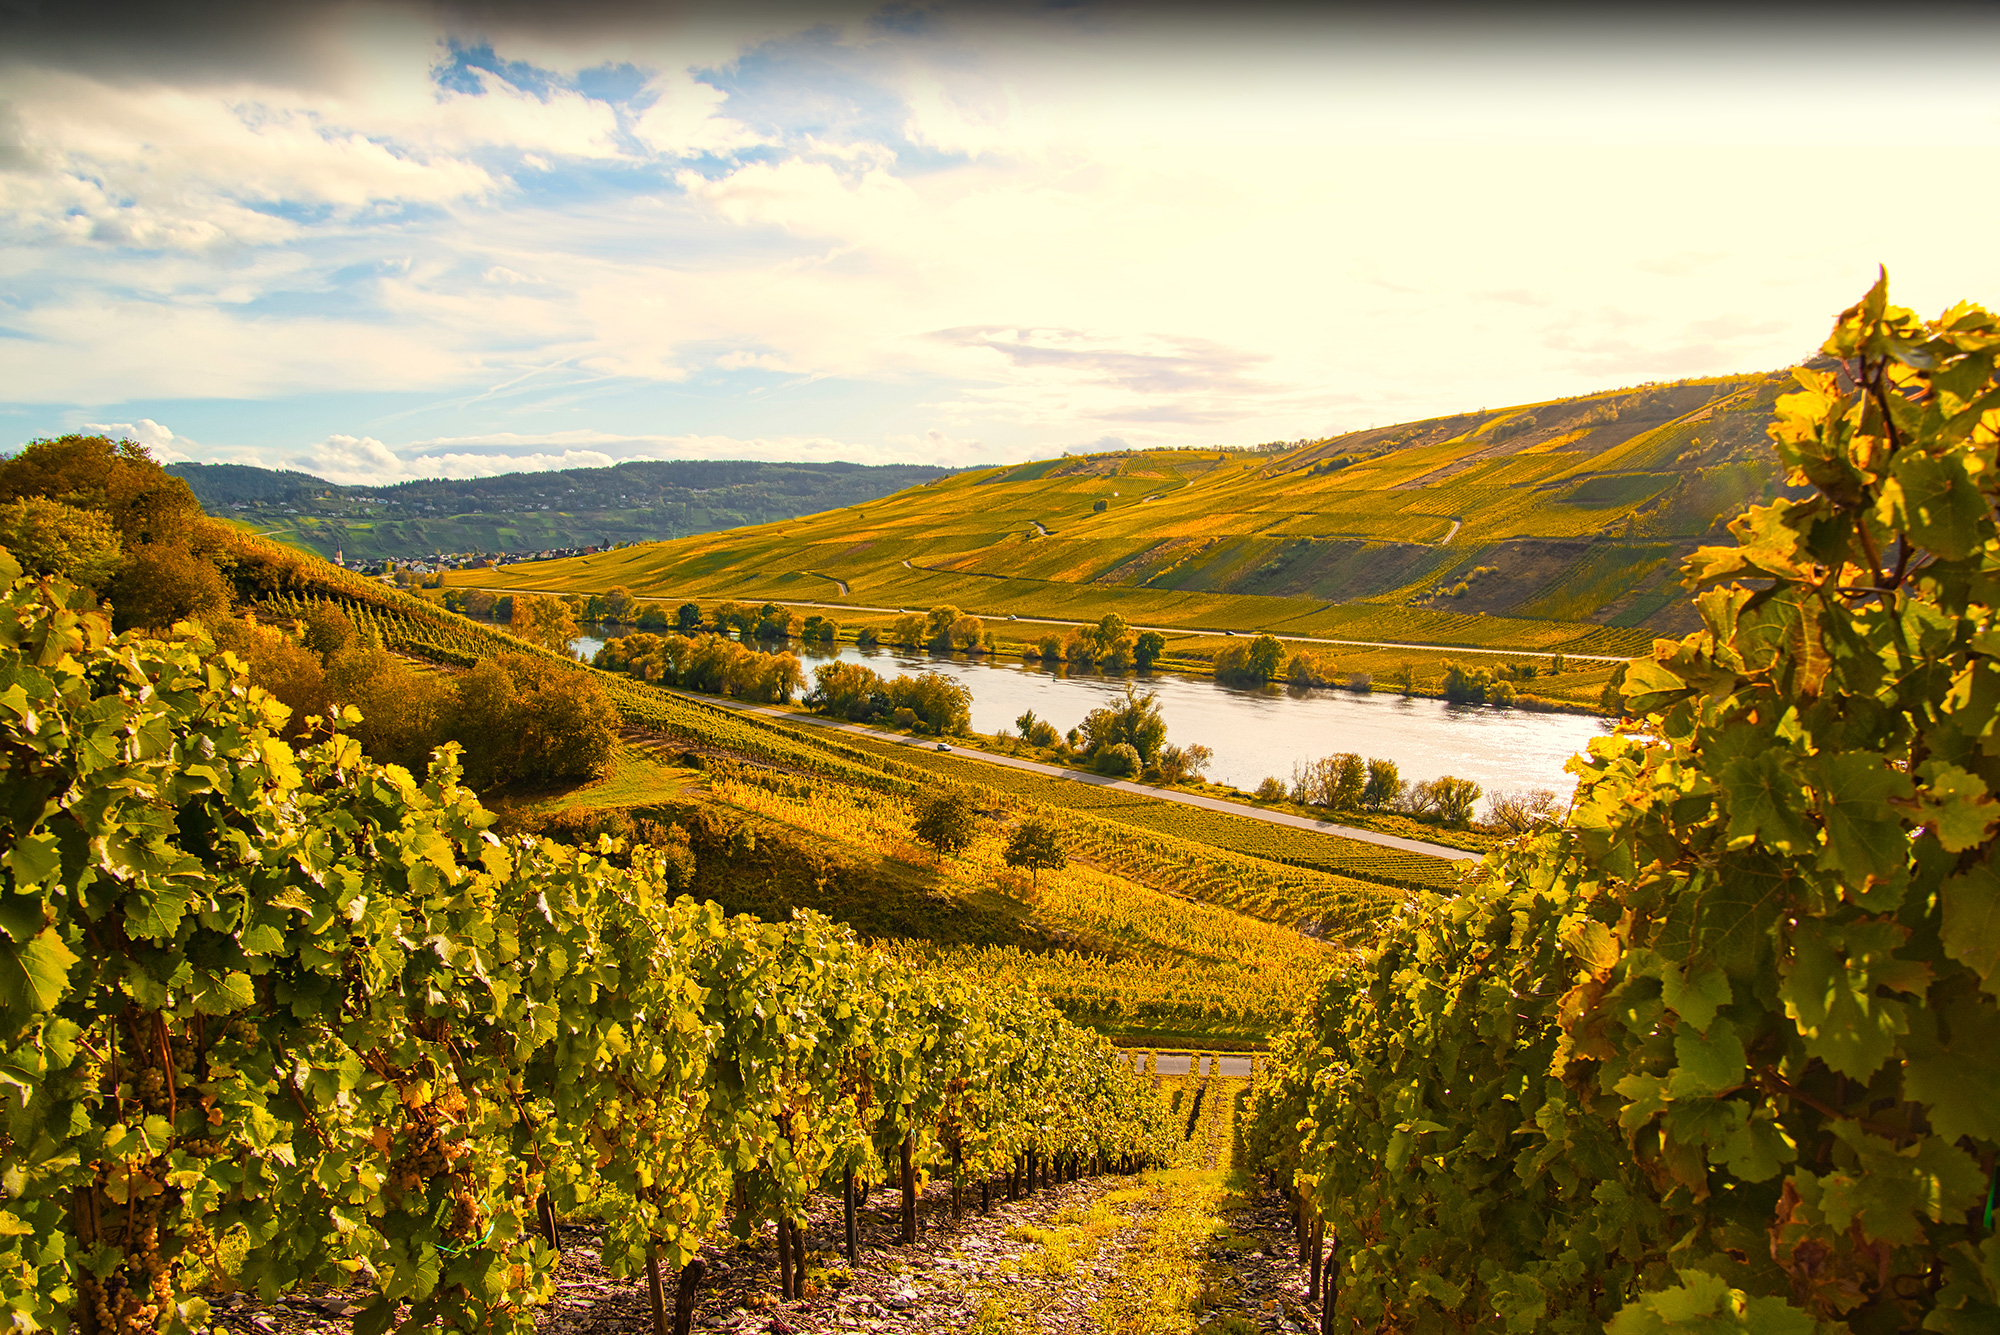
x=1178, y=1063
x=1172, y=630
x=1104, y=781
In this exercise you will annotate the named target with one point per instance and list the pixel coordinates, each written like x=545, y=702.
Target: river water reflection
x=1256, y=732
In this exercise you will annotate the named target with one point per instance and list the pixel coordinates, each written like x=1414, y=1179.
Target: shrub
x=1179, y=764
x=905, y=718
x=1272, y=789
x=1099, y=507
x=1120, y=759
x=1037, y=731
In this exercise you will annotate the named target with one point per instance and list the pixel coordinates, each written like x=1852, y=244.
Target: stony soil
x=943, y=1283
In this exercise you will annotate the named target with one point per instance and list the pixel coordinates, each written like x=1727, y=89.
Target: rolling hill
x=1547, y=526
x=523, y=512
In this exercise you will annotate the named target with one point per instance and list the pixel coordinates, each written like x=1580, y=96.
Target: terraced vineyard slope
x=1543, y=526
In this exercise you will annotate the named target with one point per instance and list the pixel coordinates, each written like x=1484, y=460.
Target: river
x=1260, y=731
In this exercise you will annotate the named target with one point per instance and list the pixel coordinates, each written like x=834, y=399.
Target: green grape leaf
x=1890, y=1191
x=33, y=975
x=34, y=859
x=1864, y=832
x=1703, y=1304
x=1697, y=995
x=1830, y=992
x=1972, y=922
x=1957, y=1079
x=1765, y=804
x=1934, y=502
x=1757, y=1150
x=1957, y=804
x=1707, y=1064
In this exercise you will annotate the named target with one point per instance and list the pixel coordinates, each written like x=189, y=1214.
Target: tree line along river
x=1260, y=731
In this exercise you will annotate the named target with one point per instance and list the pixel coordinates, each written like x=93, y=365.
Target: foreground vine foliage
x=1724, y=1053
x=273, y=1016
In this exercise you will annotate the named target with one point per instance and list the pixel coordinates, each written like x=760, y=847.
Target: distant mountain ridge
x=514, y=512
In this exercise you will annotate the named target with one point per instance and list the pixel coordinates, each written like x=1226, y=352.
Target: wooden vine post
x=909, y=1190
x=847, y=1208
x=957, y=1193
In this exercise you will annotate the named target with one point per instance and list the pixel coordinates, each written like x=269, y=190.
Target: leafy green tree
x=50, y=538
x=289, y=670
x=404, y=712
x=1037, y=731
x=1146, y=650
x=1350, y=782
x=937, y=626
x=1384, y=787
x=1256, y=662
x=940, y=703
x=947, y=821
x=845, y=690
x=329, y=631
x=1446, y=800
x=1038, y=846
x=1184, y=764
x=1135, y=720
x=688, y=618
x=1733, y=1033
x=119, y=480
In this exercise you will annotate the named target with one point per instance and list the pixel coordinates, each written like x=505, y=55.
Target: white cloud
x=365, y=460
x=684, y=120
x=145, y=431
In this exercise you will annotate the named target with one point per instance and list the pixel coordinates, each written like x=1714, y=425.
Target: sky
x=386, y=241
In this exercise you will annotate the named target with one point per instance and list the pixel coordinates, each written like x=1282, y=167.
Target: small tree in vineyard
x=947, y=822
x=1036, y=845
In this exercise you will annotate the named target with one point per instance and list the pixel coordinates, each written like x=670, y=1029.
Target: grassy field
x=1532, y=528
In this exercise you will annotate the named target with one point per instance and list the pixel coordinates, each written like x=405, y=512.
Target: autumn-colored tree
x=947, y=821
x=548, y=622
x=1038, y=846
x=523, y=718
x=50, y=538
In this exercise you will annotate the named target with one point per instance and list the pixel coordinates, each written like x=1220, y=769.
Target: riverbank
x=1192, y=650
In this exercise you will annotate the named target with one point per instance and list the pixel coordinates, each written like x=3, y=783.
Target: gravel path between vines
x=941, y=1284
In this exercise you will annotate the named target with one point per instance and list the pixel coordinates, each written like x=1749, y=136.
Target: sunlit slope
x=1563, y=522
